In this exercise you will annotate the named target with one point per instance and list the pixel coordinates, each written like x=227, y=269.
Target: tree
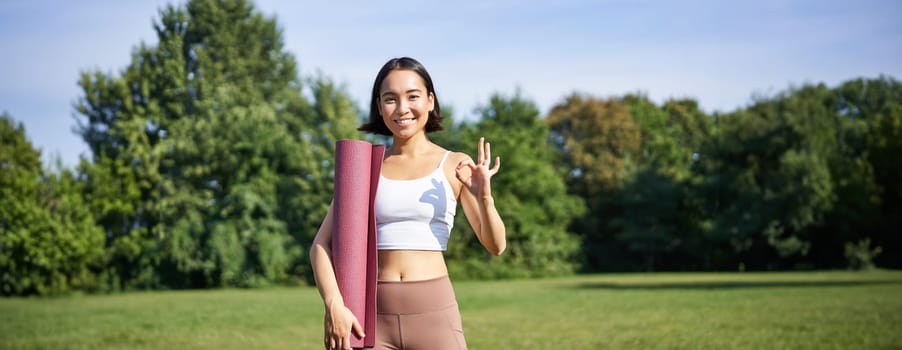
x=48, y=241
x=225, y=164
x=597, y=142
x=530, y=195
x=872, y=196
x=885, y=146
x=304, y=200
x=767, y=174
x=651, y=219
x=656, y=217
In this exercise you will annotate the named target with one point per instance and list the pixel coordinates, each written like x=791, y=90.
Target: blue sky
x=719, y=52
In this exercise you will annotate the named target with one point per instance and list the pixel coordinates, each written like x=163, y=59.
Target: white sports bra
x=415, y=214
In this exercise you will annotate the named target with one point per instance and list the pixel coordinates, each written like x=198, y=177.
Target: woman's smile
x=406, y=121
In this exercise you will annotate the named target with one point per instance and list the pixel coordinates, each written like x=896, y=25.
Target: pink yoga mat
x=357, y=168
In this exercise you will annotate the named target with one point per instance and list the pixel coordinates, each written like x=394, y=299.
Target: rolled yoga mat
x=354, y=256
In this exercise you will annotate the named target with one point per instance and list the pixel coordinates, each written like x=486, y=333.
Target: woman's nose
x=403, y=107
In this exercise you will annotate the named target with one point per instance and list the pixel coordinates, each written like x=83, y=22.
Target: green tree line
x=212, y=162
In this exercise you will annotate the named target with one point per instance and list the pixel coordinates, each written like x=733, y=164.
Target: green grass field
x=810, y=310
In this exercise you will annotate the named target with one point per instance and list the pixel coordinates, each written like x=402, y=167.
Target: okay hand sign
x=480, y=174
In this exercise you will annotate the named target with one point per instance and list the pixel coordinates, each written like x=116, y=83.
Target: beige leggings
x=418, y=315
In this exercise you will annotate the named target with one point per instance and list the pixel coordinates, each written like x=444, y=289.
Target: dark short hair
x=376, y=125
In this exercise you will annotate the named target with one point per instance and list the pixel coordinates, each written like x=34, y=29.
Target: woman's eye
x=414, y=97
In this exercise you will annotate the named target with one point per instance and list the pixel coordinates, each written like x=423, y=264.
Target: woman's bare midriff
x=411, y=265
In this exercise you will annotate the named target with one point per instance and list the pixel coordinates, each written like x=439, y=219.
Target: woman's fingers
x=357, y=328
x=480, y=151
x=463, y=163
x=464, y=180
x=343, y=343
x=329, y=338
x=335, y=341
x=459, y=172
x=497, y=165
x=488, y=154
x=339, y=327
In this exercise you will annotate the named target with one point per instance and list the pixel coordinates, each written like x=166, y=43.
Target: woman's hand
x=339, y=323
x=480, y=174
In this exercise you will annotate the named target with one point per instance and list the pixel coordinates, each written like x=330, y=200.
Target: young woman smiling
x=419, y=190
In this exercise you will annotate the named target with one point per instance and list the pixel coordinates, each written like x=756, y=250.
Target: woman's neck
x=411, y=147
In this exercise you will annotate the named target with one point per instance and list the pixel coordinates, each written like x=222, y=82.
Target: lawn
x=792, y=310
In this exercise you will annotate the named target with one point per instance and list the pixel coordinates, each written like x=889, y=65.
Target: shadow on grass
x=730, y=284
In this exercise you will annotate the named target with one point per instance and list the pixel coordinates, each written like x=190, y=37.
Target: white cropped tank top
x=415, y=214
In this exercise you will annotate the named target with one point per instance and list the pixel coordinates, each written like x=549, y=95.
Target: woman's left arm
x=477, y=201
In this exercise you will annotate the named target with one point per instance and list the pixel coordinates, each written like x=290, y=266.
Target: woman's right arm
x=339, y=321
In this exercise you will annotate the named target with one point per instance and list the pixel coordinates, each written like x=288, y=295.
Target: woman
x=419, y=188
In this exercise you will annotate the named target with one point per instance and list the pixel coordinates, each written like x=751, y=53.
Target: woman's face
x=404, y=103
